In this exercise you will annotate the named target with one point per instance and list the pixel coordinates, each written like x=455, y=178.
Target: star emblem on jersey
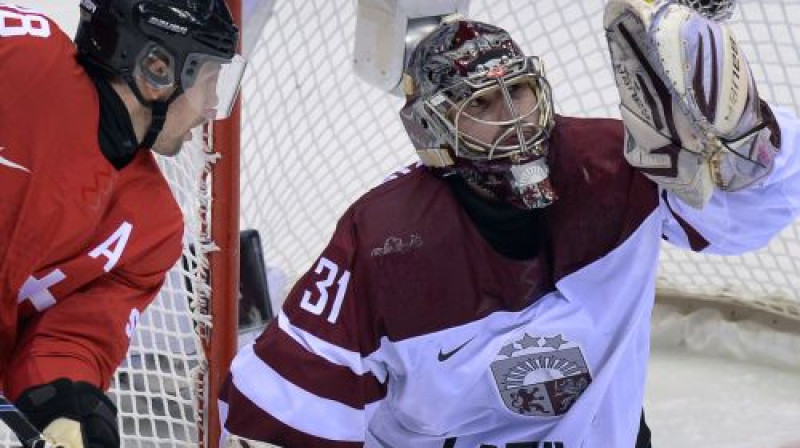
x=10, y=164
x=540, y=376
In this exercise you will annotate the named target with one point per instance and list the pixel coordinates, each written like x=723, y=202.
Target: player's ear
x=157, y=71
x=156, y=76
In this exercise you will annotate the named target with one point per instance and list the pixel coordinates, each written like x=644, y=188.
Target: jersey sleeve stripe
x=327, y=419
x=331, y=352
x=315, y=374
x=246, y=419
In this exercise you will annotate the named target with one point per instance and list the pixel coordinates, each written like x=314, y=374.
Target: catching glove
x=73, y=415
x=692, y=114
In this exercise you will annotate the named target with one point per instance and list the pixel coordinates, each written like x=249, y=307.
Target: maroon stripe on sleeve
x=696, y=241
x=245, y=419
x=314, y=373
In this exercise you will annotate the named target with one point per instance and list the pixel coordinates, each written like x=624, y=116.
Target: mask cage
x=521, y=138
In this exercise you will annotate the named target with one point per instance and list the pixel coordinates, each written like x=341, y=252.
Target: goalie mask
x=479, y=108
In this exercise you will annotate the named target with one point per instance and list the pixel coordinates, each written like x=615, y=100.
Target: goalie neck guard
x=477, y=107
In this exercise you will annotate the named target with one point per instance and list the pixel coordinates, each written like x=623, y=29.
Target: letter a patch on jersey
x=118, y=240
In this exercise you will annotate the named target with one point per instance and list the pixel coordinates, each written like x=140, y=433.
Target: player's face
x=194, y=107
x=490, y=119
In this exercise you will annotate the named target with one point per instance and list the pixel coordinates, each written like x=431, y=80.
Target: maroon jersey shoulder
x=427, y=266
x=602, y=198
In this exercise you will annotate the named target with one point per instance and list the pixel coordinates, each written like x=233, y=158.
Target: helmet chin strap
x=159, y=112
x=159, y=116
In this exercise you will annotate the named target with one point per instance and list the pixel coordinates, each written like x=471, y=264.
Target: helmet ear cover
x=156, y=66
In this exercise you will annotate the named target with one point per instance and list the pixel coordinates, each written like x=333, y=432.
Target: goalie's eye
x=517, y=91
x=477, y=104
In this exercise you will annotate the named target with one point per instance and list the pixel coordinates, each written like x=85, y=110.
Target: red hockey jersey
x=84, y=247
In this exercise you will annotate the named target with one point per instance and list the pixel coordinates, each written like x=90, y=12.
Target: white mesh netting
x=159, y=387
x=315, y=137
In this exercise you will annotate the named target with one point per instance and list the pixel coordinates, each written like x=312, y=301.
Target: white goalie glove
x=692, y=114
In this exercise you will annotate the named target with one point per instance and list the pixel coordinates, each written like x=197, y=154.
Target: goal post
x=225, y=262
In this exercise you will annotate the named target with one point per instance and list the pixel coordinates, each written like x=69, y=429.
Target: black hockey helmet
x=114, y=34
x=119, y=37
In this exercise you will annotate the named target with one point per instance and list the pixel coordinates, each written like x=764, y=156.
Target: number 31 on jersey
x=316, y=302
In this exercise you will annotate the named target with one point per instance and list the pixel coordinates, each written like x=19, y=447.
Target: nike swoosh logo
x=445, y=356
x=10, y=164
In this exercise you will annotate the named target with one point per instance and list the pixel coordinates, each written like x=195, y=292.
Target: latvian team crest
x=540, y=376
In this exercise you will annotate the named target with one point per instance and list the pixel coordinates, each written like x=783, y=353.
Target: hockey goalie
x=498, y=293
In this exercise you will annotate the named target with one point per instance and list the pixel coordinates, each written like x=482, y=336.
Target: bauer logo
x=89, y=5
x=166, y=25
x=540, y=376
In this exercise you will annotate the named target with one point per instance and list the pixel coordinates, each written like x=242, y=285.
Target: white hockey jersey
x=411, y=331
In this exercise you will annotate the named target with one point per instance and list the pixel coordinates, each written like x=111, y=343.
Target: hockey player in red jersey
x=498, y=294
x=88, y=225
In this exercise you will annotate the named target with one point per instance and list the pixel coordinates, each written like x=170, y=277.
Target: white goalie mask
x=478, y=107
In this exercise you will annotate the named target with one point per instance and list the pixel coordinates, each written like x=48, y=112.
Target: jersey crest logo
x=10, y=164
x=540, y=376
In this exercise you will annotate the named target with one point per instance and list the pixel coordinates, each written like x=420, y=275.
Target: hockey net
x=314, y=138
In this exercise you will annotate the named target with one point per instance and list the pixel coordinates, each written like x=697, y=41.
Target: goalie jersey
x=409, y=330
x=84, y=247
